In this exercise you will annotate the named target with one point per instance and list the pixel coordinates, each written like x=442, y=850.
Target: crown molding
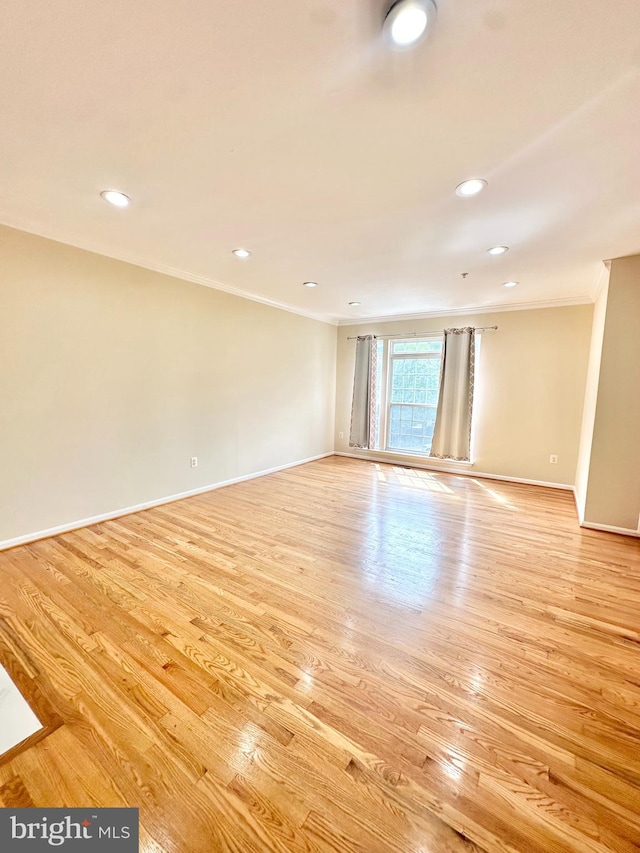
x=206, y=281
x=173, y=272
x=463, y=312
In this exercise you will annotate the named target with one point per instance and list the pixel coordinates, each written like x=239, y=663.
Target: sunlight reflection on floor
x=496, y=496
x=402, y=557
x=416, y=478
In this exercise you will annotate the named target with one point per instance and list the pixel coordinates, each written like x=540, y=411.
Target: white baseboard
x=447, y=469
x=608, y=528
x=465, y=472
x=108, y=516
x=369, y=457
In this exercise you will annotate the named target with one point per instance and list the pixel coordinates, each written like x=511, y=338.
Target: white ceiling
x=286, y=127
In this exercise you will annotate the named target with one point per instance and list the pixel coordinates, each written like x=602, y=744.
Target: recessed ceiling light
x=310, y=283
x=497, y=250
x=471, y=187
x=407, y=22
x=353, y=304
x=510, y=283
x=241, y=253
x=116, y=198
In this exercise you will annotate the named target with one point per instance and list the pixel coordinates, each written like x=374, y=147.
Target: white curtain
x=452, y=432
x=363, y=407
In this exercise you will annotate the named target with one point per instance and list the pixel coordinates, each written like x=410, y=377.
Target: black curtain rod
x=424, y=334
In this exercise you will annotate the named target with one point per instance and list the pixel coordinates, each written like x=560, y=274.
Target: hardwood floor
x=344, y=656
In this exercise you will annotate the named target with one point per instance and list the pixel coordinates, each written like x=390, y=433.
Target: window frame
x=388, y=357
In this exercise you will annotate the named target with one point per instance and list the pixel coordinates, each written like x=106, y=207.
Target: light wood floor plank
x=344, y=656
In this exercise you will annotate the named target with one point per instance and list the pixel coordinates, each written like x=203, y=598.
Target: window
x=408, y=385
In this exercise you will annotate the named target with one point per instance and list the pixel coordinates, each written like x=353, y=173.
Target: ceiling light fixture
x=498, y=250
x=241, y=253
x=117, y=199
x=408, y=21
x=353, y=304
x=471, y=187
x=510, y=283
x=310, y=283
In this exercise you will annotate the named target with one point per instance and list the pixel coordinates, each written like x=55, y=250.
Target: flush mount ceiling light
x=353, y=304
x=117, y=199
x=309, y=283
x=241, y=253
x=497, y=250
x=471, y=187
x=407, y=22
x=510, y=284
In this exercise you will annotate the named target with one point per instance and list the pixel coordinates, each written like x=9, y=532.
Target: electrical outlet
x=340, y=435
x=553, y=459
x=194, y=461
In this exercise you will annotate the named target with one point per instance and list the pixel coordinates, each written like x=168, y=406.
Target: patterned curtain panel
x=363, y=407
x=452, y=431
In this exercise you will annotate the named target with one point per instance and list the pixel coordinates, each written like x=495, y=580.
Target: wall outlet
x=553, y=459
x=194, y=461
x=340, y=435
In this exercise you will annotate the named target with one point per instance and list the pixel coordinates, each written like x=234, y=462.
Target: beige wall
x=112, y=377
x=613, y=489
x=529, y=393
